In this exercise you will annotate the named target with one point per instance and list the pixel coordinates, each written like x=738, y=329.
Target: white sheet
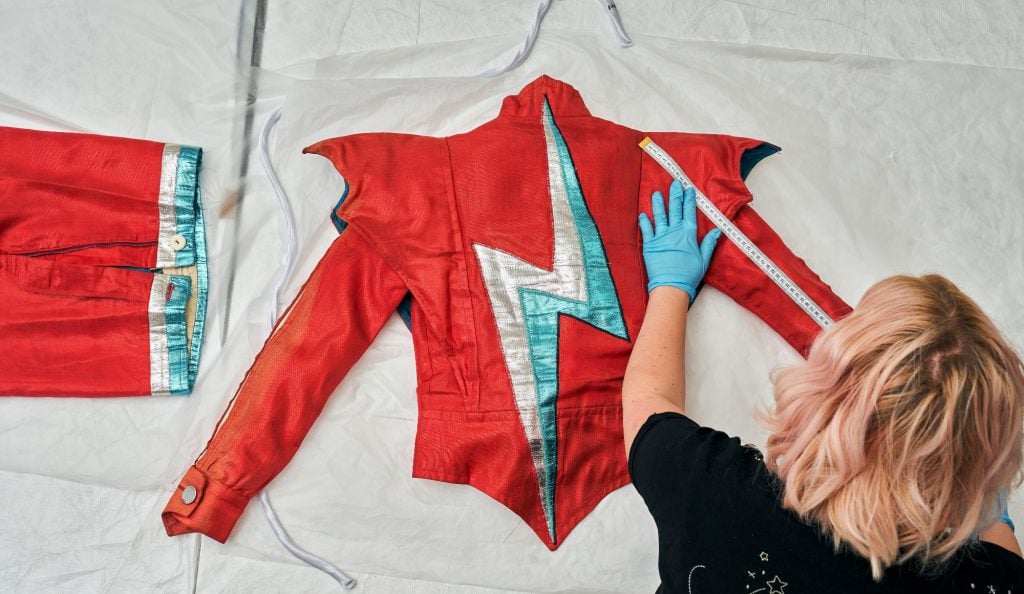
x=906, y=158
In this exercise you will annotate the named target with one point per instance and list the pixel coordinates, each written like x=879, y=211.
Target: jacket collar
x=562, y=97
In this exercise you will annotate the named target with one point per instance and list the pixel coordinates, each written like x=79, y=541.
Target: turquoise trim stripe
x=190, y=223
x=541, y=312
x=202, y=292
x=177, y=340
x=186, y=190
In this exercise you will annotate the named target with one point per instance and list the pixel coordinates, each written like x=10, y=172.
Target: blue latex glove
x=1005, y=516
x=671, y=253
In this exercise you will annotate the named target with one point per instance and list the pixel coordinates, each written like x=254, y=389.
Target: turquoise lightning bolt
x=528, y=301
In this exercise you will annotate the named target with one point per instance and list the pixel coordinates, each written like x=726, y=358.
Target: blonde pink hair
x=897, y=434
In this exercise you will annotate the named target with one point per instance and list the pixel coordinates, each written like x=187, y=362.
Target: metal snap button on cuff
x=188, y=495
x=178, y=242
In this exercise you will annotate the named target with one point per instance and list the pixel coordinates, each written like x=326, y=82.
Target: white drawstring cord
x=339, y=576
x=286, y=210
x=531, y=36
x=291, y=241
x=613, y=17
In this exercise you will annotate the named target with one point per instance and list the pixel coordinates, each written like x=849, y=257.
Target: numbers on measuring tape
x=740, y=239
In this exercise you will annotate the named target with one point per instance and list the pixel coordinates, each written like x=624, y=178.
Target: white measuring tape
x=738, y=237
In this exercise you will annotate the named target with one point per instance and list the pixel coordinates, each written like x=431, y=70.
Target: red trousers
x=102, y=265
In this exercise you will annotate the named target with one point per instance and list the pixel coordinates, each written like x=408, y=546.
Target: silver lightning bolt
x=528, y=301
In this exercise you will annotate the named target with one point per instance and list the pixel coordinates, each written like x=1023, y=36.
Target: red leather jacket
x=519, y=244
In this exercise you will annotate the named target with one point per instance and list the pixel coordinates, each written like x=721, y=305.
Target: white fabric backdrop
x=901, y=130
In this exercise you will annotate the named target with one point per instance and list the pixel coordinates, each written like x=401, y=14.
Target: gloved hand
x=671, y=253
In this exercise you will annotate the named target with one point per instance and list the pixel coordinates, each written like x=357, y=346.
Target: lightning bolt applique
x=528, y=301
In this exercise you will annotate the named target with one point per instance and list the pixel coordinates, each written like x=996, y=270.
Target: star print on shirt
x=777, y=586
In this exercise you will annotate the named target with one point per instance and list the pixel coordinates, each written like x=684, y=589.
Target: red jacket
x=519, y=244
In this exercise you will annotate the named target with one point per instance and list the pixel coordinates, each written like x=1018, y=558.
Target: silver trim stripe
x=166, y=257
x=739, y=238
x=159, y=355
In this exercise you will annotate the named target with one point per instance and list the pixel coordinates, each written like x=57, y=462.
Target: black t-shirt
x=722, y=530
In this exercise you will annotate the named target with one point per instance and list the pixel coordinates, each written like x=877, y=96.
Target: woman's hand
x=655, y=380
x=671, y=253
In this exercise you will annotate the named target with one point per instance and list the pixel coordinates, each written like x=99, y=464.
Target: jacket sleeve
x=719, y=165
x=734, y=274
x=334, y=318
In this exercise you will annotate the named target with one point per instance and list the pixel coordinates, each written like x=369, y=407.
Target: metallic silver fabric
x=166, y=255
x=159, y=355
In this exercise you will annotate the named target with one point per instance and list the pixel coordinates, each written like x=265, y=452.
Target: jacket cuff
x=203, y=505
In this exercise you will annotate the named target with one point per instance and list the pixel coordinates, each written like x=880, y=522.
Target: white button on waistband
x=188, y=495
x=178, y=242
